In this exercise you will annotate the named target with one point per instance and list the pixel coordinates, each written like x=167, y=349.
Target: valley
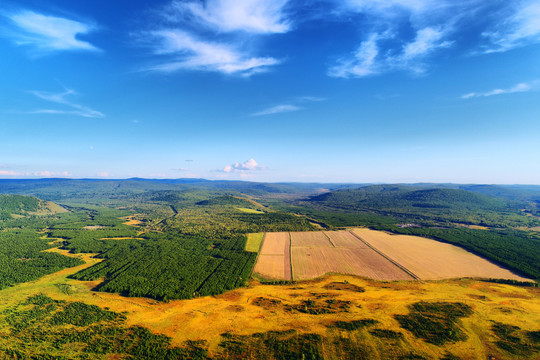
x=230, y=271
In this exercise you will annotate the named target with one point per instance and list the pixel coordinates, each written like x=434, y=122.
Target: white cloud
x=427, y=40
x=10, y=173
x=60, y=98
x=518, y=28
x=522, y=87
x=369, y=59
x=248, y=165
x=253, y=16
x=49, y=33
x=181, y=169
x=361, y=63
x=277, y=109
x=103, y=174
x=190, y=53
x=46, y=173
x=310, y=99
x=406, y=35
x=388, y=8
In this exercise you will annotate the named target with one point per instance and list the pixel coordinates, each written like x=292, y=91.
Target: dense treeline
x=22, y=258
x=518, y=250
x=168, y=266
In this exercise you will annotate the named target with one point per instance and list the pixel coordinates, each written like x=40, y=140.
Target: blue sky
x=272, y=90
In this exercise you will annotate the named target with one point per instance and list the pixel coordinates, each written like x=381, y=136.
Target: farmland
x=372, y=254
x=225, y=271
x=433, y=260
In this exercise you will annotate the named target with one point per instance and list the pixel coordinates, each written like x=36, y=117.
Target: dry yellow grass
x=209, y=317
x=431, y=260
x=131, y=220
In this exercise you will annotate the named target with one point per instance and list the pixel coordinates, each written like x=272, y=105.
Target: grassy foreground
x=334, y=317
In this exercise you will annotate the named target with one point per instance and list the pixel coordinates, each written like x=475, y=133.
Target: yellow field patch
x=432, y=260
x=250, y=211
x=253, y=243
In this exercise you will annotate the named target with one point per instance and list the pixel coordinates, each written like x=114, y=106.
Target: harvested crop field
x=369, y=253
x=433, y=260
x=274, y=261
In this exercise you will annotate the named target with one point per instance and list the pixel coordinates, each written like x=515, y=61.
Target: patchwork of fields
x=368, y=253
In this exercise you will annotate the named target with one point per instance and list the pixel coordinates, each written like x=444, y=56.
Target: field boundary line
x=290, y=256
x=328, y=237
x=410, y=273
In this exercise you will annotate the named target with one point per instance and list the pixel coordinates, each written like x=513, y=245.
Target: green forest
x=189, y=237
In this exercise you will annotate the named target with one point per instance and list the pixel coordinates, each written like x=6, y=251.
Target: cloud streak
x=406, y=35
x=284, y=108
x=61, y=99
x=190, y=53
x=519, y=88
x=520, y=27
x=251, y=16
x=215, y=36
x=49, y=33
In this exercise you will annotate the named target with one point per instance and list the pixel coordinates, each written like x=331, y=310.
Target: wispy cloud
x=252, y=16
x=522, y=87
x=47, y=173
x=386, y=48
x=519, y=27
x=310, y=99
x=248, y=165
x=406, y=35
x=10, y=173
x=362, y=62
x=188, y=53
x=289, y=107
x=215, y=35
x=61, y=98
x=49, y=33
x=277, y=109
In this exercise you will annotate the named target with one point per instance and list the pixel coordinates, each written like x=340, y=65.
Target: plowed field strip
x=386, y=257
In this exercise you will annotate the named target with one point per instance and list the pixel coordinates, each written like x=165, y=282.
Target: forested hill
x=25, y=205
x=399, y=196
x=428, y=205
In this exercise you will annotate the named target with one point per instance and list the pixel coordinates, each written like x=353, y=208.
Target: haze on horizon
x=272, y=90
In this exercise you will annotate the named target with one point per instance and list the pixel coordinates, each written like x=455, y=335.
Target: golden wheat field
x=368, y=253
x=432, y=260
